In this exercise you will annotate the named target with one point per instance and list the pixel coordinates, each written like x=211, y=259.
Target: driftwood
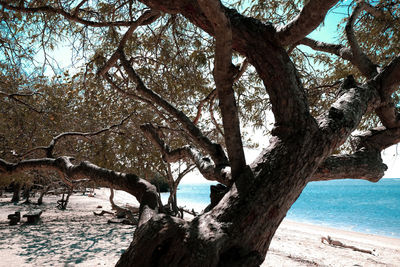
x=191, y=212
x=337, y=243
x=102, y=213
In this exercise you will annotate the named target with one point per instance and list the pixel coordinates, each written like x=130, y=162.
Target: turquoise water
x=346, y=204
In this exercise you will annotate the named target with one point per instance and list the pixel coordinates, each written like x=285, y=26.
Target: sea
x=354, y=205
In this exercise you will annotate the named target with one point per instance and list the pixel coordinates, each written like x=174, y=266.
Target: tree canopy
x=145, y=88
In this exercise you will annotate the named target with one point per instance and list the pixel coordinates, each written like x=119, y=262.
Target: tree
x=157, y=55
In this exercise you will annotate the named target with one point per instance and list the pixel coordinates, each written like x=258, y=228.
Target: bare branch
x=336, y=49
x=362, y=61
x=223, y=76
x=70, y=16
x=310, y=17
x=346, y=113
x=76, y=9
x=144, y=192
x=50, y=148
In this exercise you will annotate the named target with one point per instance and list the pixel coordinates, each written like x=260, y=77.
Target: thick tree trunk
x=238, y=231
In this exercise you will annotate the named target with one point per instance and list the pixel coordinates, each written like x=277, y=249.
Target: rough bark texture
x=237, y=229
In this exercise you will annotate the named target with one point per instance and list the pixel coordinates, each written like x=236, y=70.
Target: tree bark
x=16, y=192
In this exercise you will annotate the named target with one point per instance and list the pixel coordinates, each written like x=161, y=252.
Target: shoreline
x=78, y=238
x=316, y=228
x=299, y=244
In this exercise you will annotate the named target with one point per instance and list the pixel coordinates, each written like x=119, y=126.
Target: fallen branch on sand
x=337, y=243
x=102, y=213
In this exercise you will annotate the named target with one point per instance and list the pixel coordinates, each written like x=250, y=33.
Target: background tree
x=181, y=75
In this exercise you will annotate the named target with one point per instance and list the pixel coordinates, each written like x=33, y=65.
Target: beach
x=75, y=237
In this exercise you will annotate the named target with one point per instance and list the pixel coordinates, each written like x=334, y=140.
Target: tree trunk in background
x=44, y=191
x=26, y=193
x=16, y=192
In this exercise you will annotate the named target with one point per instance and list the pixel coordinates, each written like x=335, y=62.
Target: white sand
x=75, y=237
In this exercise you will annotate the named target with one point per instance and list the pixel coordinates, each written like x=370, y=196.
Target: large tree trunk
x=238, y=231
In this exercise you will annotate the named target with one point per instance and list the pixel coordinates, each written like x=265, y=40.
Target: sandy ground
x=75, y=237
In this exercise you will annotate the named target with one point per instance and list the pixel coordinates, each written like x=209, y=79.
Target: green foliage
x=161, y=183
x=174, y=59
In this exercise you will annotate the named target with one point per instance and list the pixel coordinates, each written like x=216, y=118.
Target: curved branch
x=389, y=115
x=212, y=94
x=215, y=150
x=362, y=61
x=378, y=138
x=310, y=17
x=376, y=12
x=223, y=76
x=144, y=192
x=388, y=79
x=187, y=153
x=345, y=114
x=50, y=148
x=59, y=11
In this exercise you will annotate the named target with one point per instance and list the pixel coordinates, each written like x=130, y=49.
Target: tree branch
x=144, y=192
x=213, y=93
x=365, y=165
x=59, y=11
x=361, y=60
x=14, y=96
x=310, y=17
x=50, y=148
x=336, y=49
x=146, y=18
x=388, y=79
x=223, y=76
x=389, y=115
x=187, y=153
x=215, y=150
x=346, y=113
x=376, y=12
x=378, y=138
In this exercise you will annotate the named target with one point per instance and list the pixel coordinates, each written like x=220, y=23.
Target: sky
x=327, y=32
